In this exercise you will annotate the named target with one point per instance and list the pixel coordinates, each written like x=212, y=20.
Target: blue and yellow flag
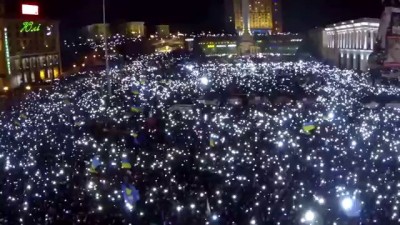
x=213, y=140
x=136, y=109
x=135, y=138
x=134, y=134
x=135, y=90
x=130, y=194
x=126, y=164
x=94, y=164
x=308, y=127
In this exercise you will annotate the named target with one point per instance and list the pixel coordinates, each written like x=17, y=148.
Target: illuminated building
x=162, y=30
x=264, y=16
x=211, y=46
x=279, y=44
x=97, y=30
x=29, y=50
x=168, y=44
x=348, y=44
x=130, y=29
x=189, y=44
x=133, y=29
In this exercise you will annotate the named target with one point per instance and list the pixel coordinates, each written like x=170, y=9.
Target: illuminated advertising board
x=30, y=9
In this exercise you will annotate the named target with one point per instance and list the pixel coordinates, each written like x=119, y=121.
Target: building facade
x=97, y=30
x=211, y=46
x=29, y=51
x=348, y=44
x=162, y=30
x=133, y=29
x=280, y=44
x=264, y=16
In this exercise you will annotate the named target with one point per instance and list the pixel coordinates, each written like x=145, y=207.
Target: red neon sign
x=29, y=9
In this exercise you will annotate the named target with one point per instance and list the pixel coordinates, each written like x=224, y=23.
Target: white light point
x=204, y=80
x=129, y=206
x=347, y=203
x=331, y=115
x=309, y=216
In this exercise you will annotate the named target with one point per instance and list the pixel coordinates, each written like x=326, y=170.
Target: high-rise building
x=264, y=16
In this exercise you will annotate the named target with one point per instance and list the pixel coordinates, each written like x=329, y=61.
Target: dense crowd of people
x=225, y=141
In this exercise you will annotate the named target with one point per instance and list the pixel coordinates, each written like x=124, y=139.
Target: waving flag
x=131, y=195
x=136, y=109
x=213, y=140
x=308, y=127
x=94, y=164
x=126, y=164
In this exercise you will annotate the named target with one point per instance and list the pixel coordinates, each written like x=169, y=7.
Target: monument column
x=348, y=40
x=372, y=39
x=356, y=39
x=343, y=40
x=246, y=15
x=365, y=39
x=246, y=41
x=352, y=39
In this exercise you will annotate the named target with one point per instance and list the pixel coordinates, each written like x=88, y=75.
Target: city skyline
x=297, y=16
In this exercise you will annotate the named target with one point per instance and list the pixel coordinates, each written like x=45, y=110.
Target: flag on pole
x=94, y=164
x=131, y=195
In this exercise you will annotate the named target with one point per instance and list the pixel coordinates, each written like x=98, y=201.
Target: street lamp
x=106, y=51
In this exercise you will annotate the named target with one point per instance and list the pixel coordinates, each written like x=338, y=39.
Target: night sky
x=299, y=15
